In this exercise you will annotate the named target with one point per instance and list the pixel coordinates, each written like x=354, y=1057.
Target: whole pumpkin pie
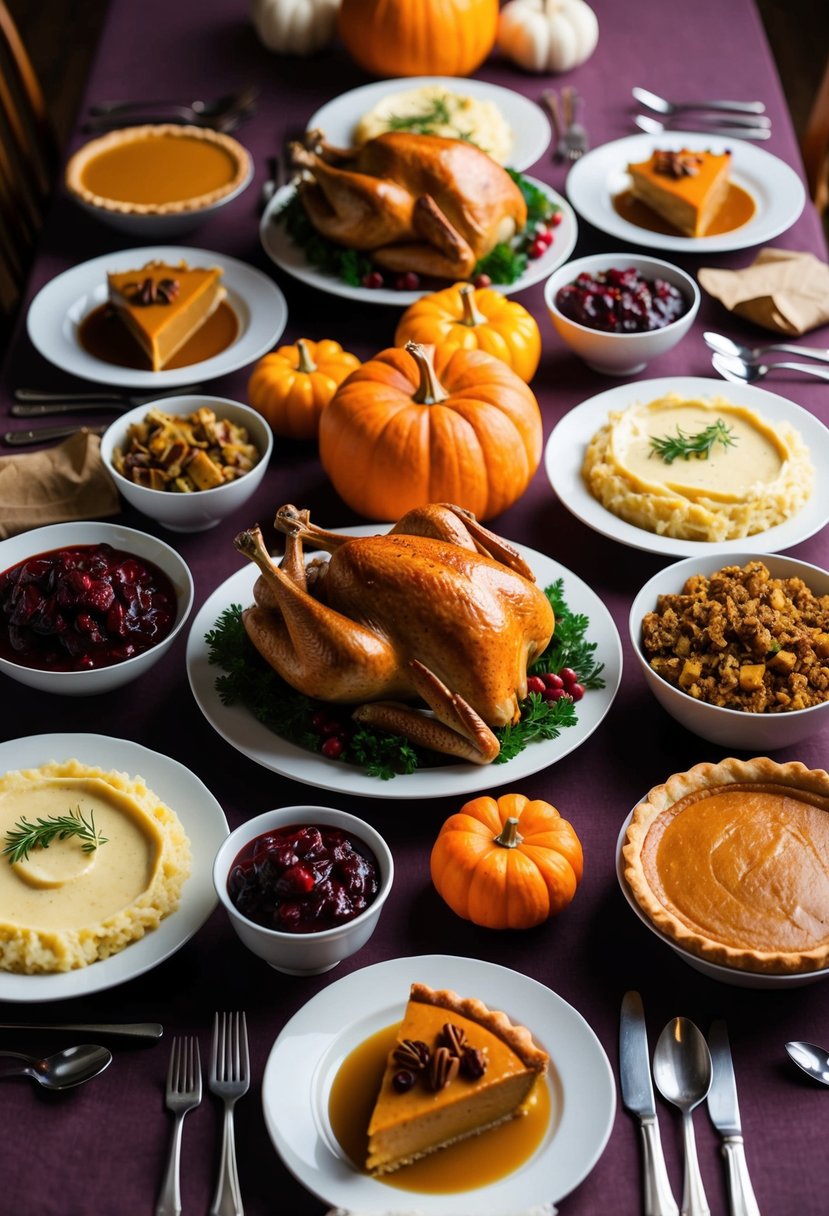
x=457, y=1069
x=731, y=861
x=162, y=306
x=686, y=188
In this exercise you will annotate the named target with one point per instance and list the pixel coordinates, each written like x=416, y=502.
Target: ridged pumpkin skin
x=501, y=887
x=485, y=319
x=418, y=37
x=291, y=386
x=387, y=452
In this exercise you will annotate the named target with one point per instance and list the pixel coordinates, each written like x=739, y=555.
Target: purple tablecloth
x=101, y=1149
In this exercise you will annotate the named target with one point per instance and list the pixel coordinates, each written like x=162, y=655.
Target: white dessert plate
x=530, y=127
x=250, y=737
x=203, y=821
x=313, y=1044
x=600, y=175
x=59, y=308
x=290, y=258
x=725, y=975
x=567, y=444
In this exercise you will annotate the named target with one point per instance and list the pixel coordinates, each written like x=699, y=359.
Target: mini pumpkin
x=431, y=424
x=547, y=35
x=507, y=863
x=291, y=386
x=485, y=319
x=294, y=27
x=418, y=37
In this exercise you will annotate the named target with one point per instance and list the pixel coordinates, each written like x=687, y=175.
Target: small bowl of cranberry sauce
x=87, y=607
x=304, y=886
x=618, y=311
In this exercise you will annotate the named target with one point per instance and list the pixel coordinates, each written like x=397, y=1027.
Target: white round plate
x=238, y=726
x=313, y=1044
x=289, y=257
x=566, y=446
x=600, y=175
x=530, y=127
x=58, y=309
x=203, y=821
x=725, y=975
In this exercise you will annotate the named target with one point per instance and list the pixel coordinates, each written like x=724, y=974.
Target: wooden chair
x=28, y=164
x=815, y=146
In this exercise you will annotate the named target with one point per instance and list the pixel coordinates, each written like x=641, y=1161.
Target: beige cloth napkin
x=782, y=291
x=54, y=485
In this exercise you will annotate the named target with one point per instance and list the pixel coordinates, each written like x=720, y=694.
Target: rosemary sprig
x=423, y=122
x=25, y=836
x=670, y=447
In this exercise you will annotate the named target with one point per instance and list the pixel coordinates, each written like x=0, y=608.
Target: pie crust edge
x=515, y=1036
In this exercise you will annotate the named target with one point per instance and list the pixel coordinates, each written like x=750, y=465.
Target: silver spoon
x=750, y=354
x=716, y=127
x=742, y=372
x=682, y=1072
x=813, y=1060
x=62, y=1070
x=662, y=106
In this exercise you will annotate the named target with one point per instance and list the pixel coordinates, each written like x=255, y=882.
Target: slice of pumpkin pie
x=457, y=1069
x=162, y=306
x=686, y=188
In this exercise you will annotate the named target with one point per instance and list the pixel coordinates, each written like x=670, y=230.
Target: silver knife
x=724, y=1111
x=149, y=1031
x=637, y=1096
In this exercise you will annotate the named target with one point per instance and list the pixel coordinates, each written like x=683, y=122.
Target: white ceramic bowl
x=620, y=354
x=58, y=536
x=203, y=508
x=731, y=728
x=304, y=953
x=147, y=225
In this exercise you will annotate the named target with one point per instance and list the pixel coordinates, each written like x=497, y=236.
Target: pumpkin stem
x=472, y=315
x=306, y=363
x=430, y=391
x=510, y=837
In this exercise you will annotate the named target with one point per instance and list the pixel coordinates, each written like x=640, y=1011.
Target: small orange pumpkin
x=291, y=386
x=418, y=37
x=422, y=424
x=508, y=863
x=485, y=319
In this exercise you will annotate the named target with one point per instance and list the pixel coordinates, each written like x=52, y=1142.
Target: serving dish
x=312, y=1045
x=203, y=820
x=250, y=737
x=59, y=308
x=567, y=443
x=778, y=192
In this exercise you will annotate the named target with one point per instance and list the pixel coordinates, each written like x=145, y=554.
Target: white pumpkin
x=295, y=27
x=547, y=35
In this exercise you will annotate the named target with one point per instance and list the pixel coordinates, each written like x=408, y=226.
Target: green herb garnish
x=248, y=680
x=671, y=447
x=438, y=115
x=25, y=836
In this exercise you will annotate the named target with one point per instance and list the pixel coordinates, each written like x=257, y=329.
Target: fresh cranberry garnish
x=482, y=280
x=535, y=684
x=407, y=282
x=303, y=879
x=538, y=248
x=373, y=280
x=620, y=301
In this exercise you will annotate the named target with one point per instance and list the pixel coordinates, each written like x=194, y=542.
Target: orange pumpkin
x=508, y=863
x=291, y=386
x=420, y=425
x=418, y=37
x=485, y=319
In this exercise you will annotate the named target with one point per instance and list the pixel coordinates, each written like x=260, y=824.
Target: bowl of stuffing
x=189, y=461
x=736, y=648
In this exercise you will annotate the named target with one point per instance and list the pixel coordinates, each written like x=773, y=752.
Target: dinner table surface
x=102, y=1147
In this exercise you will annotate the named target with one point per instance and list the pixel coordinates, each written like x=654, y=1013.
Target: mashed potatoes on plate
x=753, y=476
x=433, y=110
x=66, y=906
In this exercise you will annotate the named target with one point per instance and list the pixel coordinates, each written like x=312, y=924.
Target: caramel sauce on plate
x=738, y=209
x=102, y=335
x=472, y=1163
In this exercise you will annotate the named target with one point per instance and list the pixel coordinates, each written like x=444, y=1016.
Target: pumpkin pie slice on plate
x=162, y=306
x=457, y=1069
x=731, y=861
x=685, y=188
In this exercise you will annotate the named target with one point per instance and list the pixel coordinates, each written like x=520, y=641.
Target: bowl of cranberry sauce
x=304, y=886
x=86, y=607
x=619, y=311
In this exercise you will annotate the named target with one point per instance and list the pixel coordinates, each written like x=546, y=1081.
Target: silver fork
x=229, y=1080
x=183, y=1094
x=575, y=135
